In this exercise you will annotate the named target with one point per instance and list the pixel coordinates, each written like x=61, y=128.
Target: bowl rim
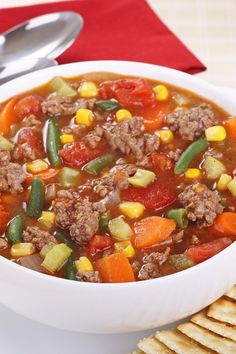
x=103, y=63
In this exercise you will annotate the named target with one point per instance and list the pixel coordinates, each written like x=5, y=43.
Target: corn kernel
x=132, y=209
x=22, y=249
x=84, y=116
x=88, y=89
x=67, y=138
x=193, y=173
x=125, y=247
x=232, y=187
x=162, y=92
x=123, y=114
x=36, y=166
x=47, y=220
x=83, y=263
x=166, y=136
x=223, y=182
x=216, y=133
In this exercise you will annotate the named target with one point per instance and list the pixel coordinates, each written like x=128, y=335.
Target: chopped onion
x=50, y=193
x=32, y=262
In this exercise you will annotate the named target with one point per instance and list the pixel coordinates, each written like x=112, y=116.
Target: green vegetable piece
x=213, y=167
x=15, y=229
x=6, y=144
x=107, y=105
x=180, y=261
x=53, y=143
x=223, y=199
x=46, y=248
x=61, y=87
x=69, y=177
x=179, y=216
x=119, y=229
x=56, y=257
x=96, y=166
x=62, y=238
x=104, y=221
x=142, y=178
x=232, y=187
x=187, y=156
x=70, y=271
x=180, y=99
x=36, y=201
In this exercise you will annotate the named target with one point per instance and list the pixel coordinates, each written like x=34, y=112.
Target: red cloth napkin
x=119, y=29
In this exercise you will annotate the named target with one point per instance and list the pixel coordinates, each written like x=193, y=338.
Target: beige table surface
x=207, y=27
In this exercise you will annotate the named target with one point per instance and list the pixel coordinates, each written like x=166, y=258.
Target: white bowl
x=123, y=307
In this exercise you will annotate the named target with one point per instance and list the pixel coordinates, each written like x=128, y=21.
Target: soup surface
x=105, y=178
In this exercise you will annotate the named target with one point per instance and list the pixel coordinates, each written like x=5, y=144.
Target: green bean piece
x=62, y=238
x=107, y=105
x=53, y=143
x=104, y=221
x=180, y=261
x=94, y=167
x=15, y=229
x=61, y=87
x=36, y=201
x=187, y=156
x=179, y=216
x=70, y=271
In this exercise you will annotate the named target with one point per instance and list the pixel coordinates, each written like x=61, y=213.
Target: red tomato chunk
x=207, y=250
x=28, y=105
x=99, y=243
x=77, y=154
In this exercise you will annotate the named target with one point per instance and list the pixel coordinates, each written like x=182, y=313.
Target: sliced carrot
x=156, y=118
x=47, y=176
x=8, y=116
x=230, y=126
x=152, y=230
x=115, y=269
x=225, y=223
x=4, y=218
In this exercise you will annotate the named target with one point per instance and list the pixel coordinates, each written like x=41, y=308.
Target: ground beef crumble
x=3, y=244
x=38, y=237
x=152, y=263
x=11, y=174
x=191, y=123
x=88, y=276
x=202, y=204
x=32, y=121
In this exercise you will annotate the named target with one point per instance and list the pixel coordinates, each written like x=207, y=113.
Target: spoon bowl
x=43, y=36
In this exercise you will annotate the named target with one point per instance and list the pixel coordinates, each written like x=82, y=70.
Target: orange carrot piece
x=8, y=116
x=152, y=230
x=46, y=176
x=4, y=218
x=230, y=127
x=225, y=223
x=156, y=119
x=115, y=269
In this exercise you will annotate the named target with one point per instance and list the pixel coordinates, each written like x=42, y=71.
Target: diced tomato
x=28, y=105
x=157, y=195
x=99, y=243
x=154, y=119
x=207, y=250
x=34, y=139
x=131, y=93
x=47, y=176
x=77, y=154
x=4, y=218
x=161, y=162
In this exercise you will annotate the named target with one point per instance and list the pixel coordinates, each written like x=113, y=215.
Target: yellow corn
x=162, y=92
x=223, y=182
x=131, y=209
x=193, y=173
x=67, y=138
x=22, y=249
x=88, y=89
x=36, y=166
x=125, y=247
x=232, y=187
x=216, y=133
x=166, y=136
x=123, y=114
x=47, y=220
x=84, y=116
x=83, y=263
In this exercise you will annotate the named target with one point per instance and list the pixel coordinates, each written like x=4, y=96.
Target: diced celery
x=142, y=178
x=180, y=99
x=213, y=167
x=180, y=261
x=119, y=229
x=179, y=216
x=6, y=144
x=60, y=86
x=69, y=177
x=56, y=257
x=46, y=248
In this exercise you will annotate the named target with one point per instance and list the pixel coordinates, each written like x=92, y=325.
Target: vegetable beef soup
x=105, y=178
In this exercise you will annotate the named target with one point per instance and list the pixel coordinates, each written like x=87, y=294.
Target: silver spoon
x=44, y=36
x=10, y=71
